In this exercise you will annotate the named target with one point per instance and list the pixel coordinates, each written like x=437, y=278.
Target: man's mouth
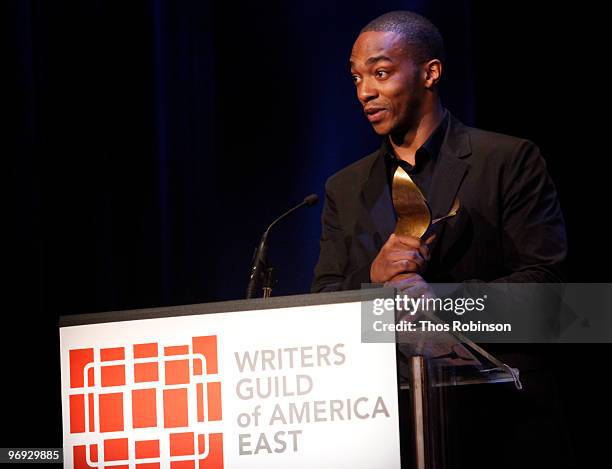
x=375, y=113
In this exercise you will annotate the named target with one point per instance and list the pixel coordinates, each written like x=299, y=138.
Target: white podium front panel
x=276, y=388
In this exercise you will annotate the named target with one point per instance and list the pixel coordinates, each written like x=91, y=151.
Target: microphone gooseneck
x=260, y=261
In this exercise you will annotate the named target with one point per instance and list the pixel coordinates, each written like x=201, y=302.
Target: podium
x=264, y=383
x=452, y=361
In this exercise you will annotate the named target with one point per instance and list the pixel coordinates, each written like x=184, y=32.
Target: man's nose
x=366, y=91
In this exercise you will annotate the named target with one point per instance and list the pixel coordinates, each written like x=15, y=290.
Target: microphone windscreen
x=311, y=199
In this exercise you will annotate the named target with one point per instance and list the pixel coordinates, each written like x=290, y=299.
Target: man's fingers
x=400, y=255
x=404, y=240
x=404, y=281
x=403, y=266
x=408, y=254
x=424, y=251
x=409, y=241
x=425, y=248
x=431, y=239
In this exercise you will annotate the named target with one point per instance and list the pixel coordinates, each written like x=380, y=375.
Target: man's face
x=389, y=84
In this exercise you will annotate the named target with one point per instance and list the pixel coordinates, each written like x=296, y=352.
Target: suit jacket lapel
x=448, y=175
x=450, y=169
x=379, y=218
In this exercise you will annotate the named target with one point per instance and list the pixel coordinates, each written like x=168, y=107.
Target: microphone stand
x=268, y=282
x=261, y=271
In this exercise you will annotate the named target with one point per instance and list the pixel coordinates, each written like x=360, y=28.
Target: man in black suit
x=510, y=227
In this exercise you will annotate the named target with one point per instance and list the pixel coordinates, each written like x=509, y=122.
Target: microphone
x=260, y=260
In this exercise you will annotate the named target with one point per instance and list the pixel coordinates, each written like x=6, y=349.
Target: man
x=509, y=227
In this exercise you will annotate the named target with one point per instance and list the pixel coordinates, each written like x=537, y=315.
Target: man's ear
x=433, y=73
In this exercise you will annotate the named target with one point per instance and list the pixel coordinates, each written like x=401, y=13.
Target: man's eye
x=381, y=74
x=355, y=78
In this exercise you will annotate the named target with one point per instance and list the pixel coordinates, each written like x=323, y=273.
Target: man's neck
x=405, y=146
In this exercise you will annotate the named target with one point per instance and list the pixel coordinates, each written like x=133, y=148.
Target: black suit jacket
x=509, y=228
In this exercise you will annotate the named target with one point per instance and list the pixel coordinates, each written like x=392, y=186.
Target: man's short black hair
x=421, y=36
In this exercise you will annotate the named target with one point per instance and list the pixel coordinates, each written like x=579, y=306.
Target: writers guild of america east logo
x=154, y=404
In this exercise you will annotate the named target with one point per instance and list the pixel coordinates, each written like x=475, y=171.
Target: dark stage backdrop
x=149, y=144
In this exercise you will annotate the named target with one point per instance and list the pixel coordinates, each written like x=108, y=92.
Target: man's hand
x=400, y=255
x=412, y=285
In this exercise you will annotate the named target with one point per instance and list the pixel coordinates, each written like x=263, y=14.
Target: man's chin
x=381, y=129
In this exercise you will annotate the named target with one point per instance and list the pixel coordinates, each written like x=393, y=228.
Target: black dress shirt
x=425, y=158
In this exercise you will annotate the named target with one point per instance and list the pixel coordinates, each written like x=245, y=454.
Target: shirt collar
x=430, y=148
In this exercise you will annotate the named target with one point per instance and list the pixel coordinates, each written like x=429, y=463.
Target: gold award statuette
x=413, y=212
x=411, y=208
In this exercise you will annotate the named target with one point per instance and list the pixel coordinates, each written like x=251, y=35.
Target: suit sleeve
x=533, y=229
x=331, y=272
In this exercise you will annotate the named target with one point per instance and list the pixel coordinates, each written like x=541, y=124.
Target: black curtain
x=150, y=143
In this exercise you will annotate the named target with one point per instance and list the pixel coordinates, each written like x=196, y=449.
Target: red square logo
x=121, y=395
